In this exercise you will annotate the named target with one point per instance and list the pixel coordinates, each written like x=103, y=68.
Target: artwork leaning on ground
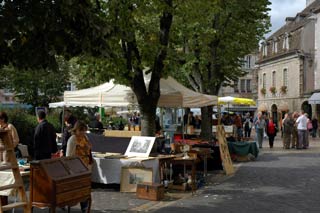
x=131, y=176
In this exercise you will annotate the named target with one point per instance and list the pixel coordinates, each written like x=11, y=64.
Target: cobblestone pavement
x=278, y=180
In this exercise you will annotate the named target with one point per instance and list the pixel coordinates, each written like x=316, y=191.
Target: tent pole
x=183, y=124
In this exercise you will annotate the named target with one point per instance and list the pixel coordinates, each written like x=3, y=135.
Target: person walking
x=44, y=143
x=260, y=125
x=79, y=145
x=302, y=131
x=271, y=131
x=288, y=126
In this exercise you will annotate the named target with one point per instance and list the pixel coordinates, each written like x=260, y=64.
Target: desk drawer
x=75, y=195
x=73, y=184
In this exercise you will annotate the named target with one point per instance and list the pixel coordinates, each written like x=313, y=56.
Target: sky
x=280, y=9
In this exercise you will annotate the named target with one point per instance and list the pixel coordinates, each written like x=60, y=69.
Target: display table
x=121, y=133
x=7, y=178
x=108, y=171
x=243, y=148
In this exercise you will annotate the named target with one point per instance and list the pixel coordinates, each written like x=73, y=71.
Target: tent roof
x=173, y=94
x=315, y=98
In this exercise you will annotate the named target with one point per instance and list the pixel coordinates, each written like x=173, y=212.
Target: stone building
x=288, y=70
x=246, y=86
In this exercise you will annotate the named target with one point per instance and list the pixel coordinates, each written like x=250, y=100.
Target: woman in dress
x=79, y=145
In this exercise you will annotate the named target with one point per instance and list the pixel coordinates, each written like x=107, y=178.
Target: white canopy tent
x=173, y=94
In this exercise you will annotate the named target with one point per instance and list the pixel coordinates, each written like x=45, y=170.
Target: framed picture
x=131, y=176
x=140, y=146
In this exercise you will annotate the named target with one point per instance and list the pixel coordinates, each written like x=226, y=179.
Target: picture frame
x=131, y=176
x=140, y=146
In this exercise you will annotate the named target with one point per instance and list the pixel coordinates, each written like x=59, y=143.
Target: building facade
x=246, y=86
x=288, y=71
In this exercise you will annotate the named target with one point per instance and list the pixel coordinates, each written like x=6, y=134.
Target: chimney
x=308, y=2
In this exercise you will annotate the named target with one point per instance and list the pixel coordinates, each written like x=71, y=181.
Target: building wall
x=292, y=97
x=317, y=54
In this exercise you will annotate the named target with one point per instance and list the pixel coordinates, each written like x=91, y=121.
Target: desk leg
x=193, y=175
x=205, y=166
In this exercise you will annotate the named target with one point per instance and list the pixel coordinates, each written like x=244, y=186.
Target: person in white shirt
x=302, y=131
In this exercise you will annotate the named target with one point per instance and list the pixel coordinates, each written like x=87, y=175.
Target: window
x=285, y=77
x=235, y=87
x=248, y=85
x=264, y=81
x=285, y=44
x=248, y=61
x=274, y=78
x=275, y=47
x=243, y=85
x=264, y=49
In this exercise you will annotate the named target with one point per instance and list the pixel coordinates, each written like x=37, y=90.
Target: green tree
x=33, y=32
x=214, y=37
x=37, y=87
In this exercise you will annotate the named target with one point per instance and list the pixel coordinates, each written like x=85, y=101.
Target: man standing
x=260, y=125
x=288, y=126
x=44, y=138
x=302, y=131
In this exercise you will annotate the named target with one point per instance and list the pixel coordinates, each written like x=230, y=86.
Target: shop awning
x=315, y=98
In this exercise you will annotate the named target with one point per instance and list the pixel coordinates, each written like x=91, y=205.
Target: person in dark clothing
x=314, y=127
x=44, y=143
x=70, y=121
x=96, y=122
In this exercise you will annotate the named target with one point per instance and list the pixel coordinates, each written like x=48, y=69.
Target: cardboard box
x=150, y=191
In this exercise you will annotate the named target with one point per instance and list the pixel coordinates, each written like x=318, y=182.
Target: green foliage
x=214, y=36
x=33, y=32
x=25, y=123
x=37, y=87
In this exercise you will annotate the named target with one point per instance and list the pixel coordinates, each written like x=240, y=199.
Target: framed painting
x=140, y=146
x=131, y=176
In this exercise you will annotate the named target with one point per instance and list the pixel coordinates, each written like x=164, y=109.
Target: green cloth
x=243, y=148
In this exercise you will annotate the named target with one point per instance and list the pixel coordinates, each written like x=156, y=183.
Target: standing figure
x=287, y=129
x=79, y=145
x=247, y=126
x=260, y=125
x=302, y=131
x=44, y=143
x=314, y=127
x=4, y=125
x=271, y=131
x=295, y=131
x=69, y=121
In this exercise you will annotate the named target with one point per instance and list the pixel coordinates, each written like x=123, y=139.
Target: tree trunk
x=206, y=123
x=148, y=117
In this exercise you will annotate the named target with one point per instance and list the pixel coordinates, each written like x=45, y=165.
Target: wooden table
x=187, y=162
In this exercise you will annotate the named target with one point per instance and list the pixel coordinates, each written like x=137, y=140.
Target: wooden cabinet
x=59, y=182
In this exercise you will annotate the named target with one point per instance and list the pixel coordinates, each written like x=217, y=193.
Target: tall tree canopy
x=126, y=39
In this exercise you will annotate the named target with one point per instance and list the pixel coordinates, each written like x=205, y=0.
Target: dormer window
x=264, y=49
x=285, y=45
x=274, y=46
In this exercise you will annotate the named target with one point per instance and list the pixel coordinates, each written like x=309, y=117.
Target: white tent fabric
x=173, y=94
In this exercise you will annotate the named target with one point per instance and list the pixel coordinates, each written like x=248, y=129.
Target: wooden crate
x=150, y=191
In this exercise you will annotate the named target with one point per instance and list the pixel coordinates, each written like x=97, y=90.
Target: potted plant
x=273, y=90
x=263, y=91
x=283, y=89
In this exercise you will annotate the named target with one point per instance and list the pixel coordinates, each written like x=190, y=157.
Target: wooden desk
x=121, y=133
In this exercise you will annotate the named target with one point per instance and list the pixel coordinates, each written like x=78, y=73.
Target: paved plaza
x=278, y=181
